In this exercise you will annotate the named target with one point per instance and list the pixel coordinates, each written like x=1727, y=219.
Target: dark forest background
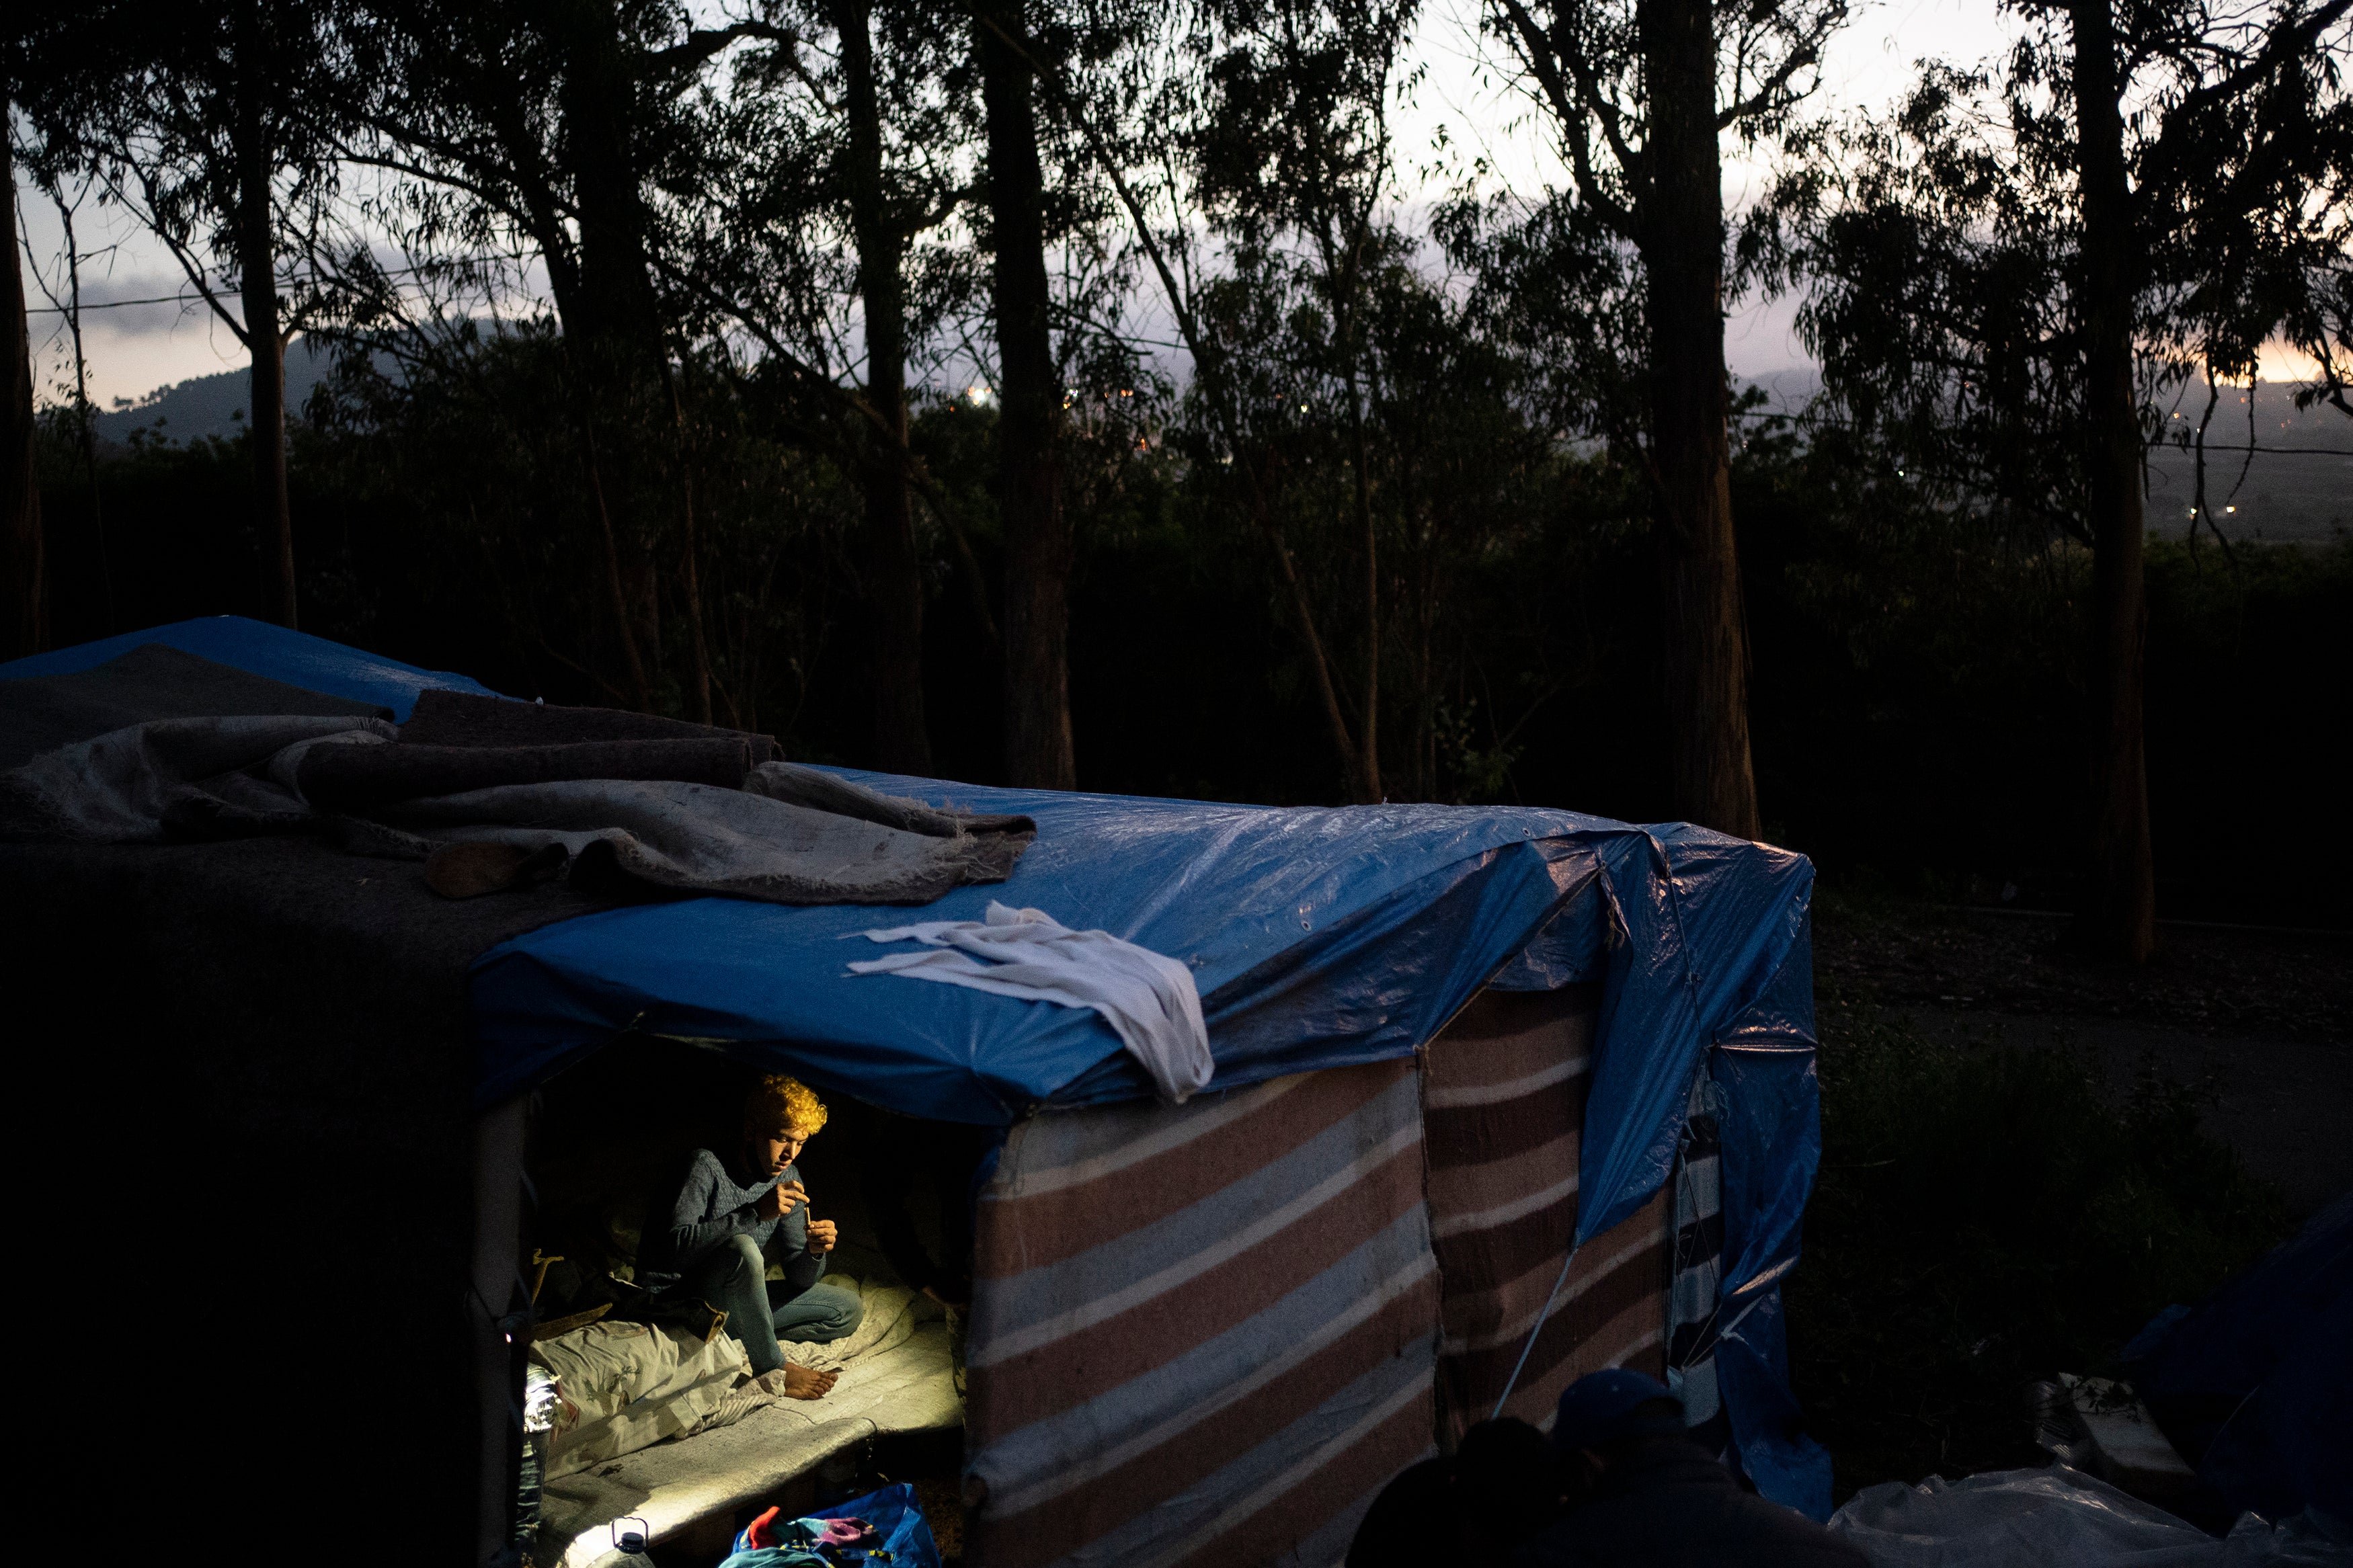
x=1916, y=706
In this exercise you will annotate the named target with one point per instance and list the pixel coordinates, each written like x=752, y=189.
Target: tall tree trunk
x=2122, y=919
x=23, y=566
x=85, y=423
x=691, y=560
x=1681, y=243
x=598, y=97
x=1335, y=722
x=617, y=594
x=1037, y=544
x=256, y=263
x=612, y=326
x=1368, y=752
x=895, y=568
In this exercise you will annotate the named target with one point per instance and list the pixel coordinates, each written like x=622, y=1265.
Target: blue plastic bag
x=898, y=1536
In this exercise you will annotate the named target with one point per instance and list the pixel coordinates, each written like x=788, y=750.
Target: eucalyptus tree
x=204, y=121
x=1640, y=96
x=2011, y=273
x=1037, y=70
x=530, y=124
x=1251, y=150
x=2326, y=331
x=1009, y=52
x=898, y=181
x=24, y=615
x=840, y=175
x=1294, y=160
x=522, y=129
x=759, y=176
x=603, y=141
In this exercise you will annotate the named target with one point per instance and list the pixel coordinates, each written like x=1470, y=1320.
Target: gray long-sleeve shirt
x=711, y=1204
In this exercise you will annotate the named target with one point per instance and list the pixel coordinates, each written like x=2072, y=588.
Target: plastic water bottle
x=631, y=1544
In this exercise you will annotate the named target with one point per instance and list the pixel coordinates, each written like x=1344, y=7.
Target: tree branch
x=1208, y=363
x=188, y=263
x=1769, y=93
x=2170, y=163
x=1570, y=107
x=703, y=43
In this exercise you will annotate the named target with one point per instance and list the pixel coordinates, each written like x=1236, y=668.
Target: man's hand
x=821, y=1237
x=780, y=1200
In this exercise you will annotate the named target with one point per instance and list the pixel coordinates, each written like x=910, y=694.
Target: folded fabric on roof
x=1148, y=998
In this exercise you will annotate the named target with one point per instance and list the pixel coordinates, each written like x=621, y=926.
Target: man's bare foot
x=806, y=1382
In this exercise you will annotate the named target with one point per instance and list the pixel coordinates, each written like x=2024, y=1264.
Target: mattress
x=896, y=1374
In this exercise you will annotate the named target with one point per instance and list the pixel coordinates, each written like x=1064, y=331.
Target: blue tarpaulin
x=1319, y=937
x=260, y=648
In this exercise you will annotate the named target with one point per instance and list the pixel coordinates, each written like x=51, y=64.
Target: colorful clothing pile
x=882, y=1530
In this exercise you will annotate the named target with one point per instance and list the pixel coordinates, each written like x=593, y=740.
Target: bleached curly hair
x=778, y=1104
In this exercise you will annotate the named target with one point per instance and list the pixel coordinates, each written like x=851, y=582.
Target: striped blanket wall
x=1202, y=1333
x=1504, y=1100
x=1699, y=1257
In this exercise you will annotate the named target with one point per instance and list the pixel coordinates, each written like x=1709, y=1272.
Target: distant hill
x=2292, y=497
x=2303, y=496
x=209, y=404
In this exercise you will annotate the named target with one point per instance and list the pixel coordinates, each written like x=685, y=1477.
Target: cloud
x=141, y=305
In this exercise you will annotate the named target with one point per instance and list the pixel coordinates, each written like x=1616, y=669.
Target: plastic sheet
x=2038, y=1519
x=260, y=648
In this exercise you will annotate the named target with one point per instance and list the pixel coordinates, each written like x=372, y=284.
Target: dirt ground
x=1911, y=1343
x=2260, y=1022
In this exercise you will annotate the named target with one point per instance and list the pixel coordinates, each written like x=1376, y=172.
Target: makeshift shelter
x=1500, y=1095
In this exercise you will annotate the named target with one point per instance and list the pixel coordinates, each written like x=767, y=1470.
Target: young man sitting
x=730, y=1217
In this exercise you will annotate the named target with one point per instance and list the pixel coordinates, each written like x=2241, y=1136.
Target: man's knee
x=822, y=1314
x=741, y=1259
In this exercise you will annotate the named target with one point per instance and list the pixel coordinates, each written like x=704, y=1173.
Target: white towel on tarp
x=1148, y=998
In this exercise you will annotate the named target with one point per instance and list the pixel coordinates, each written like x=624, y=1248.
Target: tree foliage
x=1943, y=250
x=675, y=339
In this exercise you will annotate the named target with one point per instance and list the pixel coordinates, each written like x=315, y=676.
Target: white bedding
x=896, y=1376
x=625, y=1386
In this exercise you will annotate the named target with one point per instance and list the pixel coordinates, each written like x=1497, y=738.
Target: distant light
x=2230, y=509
